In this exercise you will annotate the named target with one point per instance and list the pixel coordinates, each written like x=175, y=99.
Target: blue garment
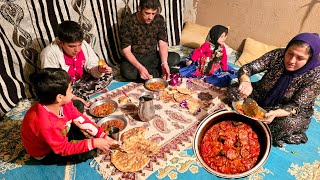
x=222, y=78
x=187, y=71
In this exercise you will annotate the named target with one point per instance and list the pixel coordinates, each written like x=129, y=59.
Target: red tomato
x=244, y=153
x=224, y=169
x=214, y=136
x=216, y=147
x=243, y=134
x=232, y=154
x=220, y=160
x=229, y=143
x=223, y=125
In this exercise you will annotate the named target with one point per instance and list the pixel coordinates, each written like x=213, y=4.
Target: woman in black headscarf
x=288, y=89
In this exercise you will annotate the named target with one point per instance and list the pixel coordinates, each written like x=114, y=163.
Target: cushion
x=194, y=35
x=253, y=50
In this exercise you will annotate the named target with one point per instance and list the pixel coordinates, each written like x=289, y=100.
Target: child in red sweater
x=50, y=130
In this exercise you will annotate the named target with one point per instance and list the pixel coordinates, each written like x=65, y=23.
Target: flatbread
x=171, y=90
x=137, y=131
x=138, y=144
x=129, y=162
x=193, y=105
x=166, y=97
x=185, y=91
x=136, y=151
x=180, y=97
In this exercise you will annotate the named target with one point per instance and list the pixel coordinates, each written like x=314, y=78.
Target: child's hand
x=103, y=144
x=112, y=141
x=86, y=105
x=105, y=69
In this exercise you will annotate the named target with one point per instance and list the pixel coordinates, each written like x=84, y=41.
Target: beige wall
x=271, y=21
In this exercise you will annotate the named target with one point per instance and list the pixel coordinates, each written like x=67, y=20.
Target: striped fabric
x=27, y=26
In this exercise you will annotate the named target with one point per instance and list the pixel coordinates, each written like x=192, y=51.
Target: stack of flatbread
x=136, y=151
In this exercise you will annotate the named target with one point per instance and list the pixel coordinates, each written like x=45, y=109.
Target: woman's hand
x=104, y=144
x=245, y=89
x=269, y=116
x=275, y=113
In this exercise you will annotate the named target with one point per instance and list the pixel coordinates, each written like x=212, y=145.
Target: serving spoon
x=250, y=107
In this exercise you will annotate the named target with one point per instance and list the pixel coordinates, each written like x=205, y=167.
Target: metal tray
x=113, y=117
x=99, y=102
x=159, y=80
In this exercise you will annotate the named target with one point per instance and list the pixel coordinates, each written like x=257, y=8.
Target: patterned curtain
x=27, y=26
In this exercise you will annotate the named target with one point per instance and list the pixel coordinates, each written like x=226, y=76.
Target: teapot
x=146, y=110
x=175, y=79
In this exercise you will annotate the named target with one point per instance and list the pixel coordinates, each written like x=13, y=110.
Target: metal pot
x=262, y=130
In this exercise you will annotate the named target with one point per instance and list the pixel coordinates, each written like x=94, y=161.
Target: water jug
x=146, y=111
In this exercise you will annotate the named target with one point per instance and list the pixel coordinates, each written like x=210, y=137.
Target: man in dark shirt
x=140, y=34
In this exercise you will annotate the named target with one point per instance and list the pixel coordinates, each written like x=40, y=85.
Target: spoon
x=250, y=107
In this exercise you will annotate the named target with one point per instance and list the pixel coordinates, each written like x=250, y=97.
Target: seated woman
x=288, y=88
x=70, y=52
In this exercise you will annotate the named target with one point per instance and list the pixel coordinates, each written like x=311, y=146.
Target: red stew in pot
x=230, y=147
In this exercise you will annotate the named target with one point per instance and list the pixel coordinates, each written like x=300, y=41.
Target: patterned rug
x=172, y=128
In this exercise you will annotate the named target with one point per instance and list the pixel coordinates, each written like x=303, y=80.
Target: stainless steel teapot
x=146, y=111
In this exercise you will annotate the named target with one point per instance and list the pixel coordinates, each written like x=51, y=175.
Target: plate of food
x=258, y=115
x=103, y=108
x=112, y=121
x=156, y=84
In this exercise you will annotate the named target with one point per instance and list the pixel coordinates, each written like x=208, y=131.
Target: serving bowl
x=261, y=129
x=156, y=80
x=113, y=120
x=236, y=103
x=110, y=102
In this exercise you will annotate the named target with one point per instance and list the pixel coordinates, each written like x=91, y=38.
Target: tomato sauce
x=230, y=147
